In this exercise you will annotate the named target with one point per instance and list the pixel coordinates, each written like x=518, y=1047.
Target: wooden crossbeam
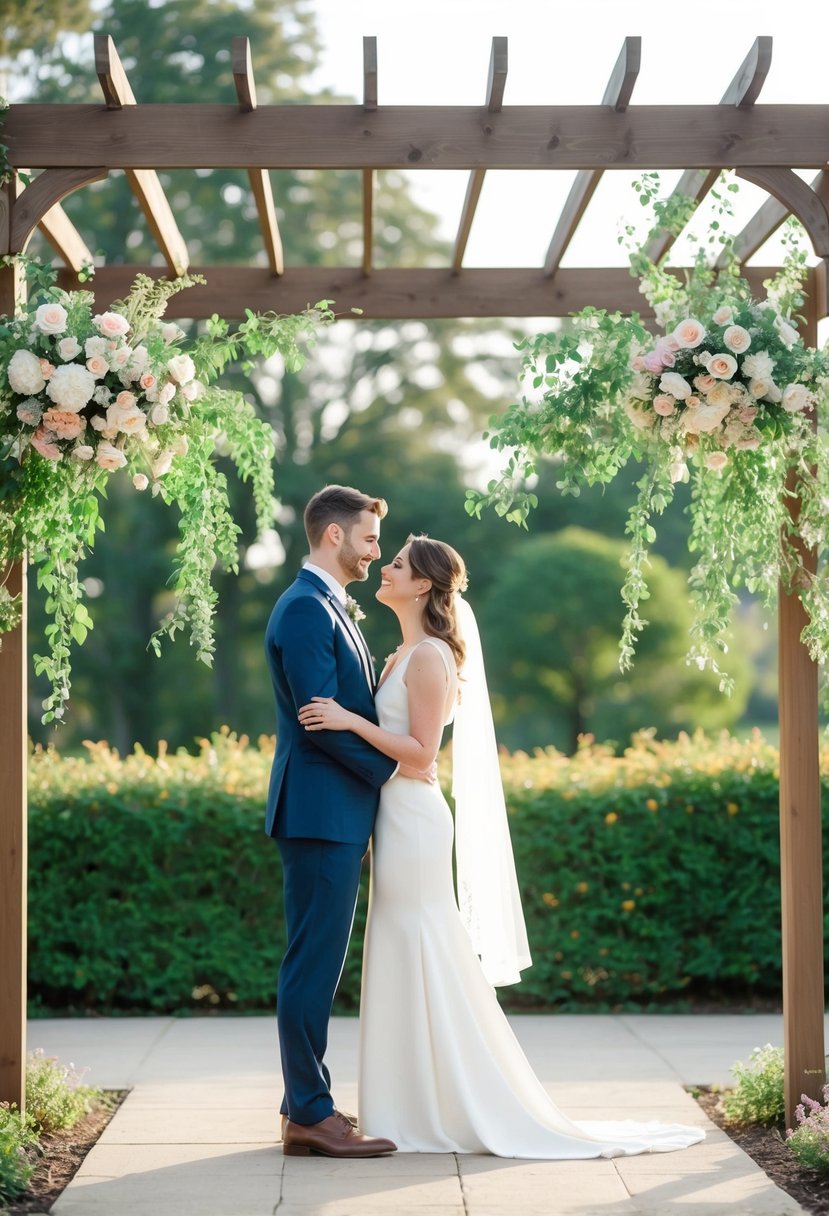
x=799, y=199
x=498, y=64
x=202, y=136
x=144, y=181
x=741, y=93
x=617, y=94
x=395, y=293
x=369, y=104
x=65, y=239
x=260, y=182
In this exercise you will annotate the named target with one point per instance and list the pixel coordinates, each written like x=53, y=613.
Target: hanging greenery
x=727, y=396
x=84, y=395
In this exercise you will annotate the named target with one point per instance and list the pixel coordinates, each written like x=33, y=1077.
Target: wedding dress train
x=440, y=1068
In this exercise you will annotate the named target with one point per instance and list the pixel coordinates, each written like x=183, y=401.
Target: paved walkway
x=196, y=1136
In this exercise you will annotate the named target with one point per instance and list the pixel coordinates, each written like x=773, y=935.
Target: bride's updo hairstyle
x=445, y=569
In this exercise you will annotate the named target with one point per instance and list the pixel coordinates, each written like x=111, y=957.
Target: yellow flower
x=603, y=951
x=582, y=887
x=628, y=905
x=611, y=817
x=550, y=899
x=732, y=808
x=652, y=804
x=574, y=933
x=689, y=809
x=567, y=975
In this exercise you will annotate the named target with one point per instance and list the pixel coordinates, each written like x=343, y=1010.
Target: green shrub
x=810, y=1139
x=17, y=1138
x=54, y=1098
x=758, y=1094
x=645, y=877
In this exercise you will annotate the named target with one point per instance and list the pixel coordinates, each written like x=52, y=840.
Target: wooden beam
x=197, y=136
x=38, y=199
x=65, y=239
x=767, y=219
x=800, y=836
x=496, y=81
x=144, y=182
x=260, y=182
x=742, y=92
x=617, y=94
x=799, y=198
x=13, y=761
x=394, y=293
x=369, y=104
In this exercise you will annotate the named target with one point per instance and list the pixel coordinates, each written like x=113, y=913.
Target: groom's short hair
x=338, y=505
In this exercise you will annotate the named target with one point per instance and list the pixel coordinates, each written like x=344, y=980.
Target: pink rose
x=98, y=366
x=652, y=362
x=68, y=348
x=121, y=356
x=704, y=383
x=147, y=380
x=64, y=423
x=111, y=324
x=722, y=367
x=638, y=364
x=51, y=319
x=716, y=460
x=723, y=316
x=689, y=333
x=46, y=368
x=737, y=339
x=125, y=400
x=747, y=414
x=109, y=457
x=42, y=441
x=664, y=405
x=664, y=351
x=140, y=481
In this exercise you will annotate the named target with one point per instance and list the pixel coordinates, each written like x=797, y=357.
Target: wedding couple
x=440, y=1068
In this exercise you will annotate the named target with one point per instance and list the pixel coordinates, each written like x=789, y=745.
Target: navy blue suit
x=322, y=801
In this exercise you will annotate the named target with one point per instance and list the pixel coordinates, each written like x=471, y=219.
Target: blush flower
x=181, y=368
x=64, y=423
x=51, y=318
x=83, y=451
x=723, y=316
x=24, y=372
x=70, y=387
x=664, y=405
x=689, y=333
x=722, y=367
x=97, y=366
x=68, y=348
x=676, y=385
x=737, y=339
x=111, y=324
x=140, y=481
x=109, y=457
x=43, y=442
x=796, y=397
x=716, y=460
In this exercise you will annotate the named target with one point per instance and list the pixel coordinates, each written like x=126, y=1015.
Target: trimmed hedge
x=644, y=877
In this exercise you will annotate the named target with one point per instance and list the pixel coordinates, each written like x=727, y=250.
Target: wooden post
x=13, y=759
x=800, y=839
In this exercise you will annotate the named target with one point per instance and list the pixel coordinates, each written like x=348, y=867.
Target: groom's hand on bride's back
x=429, y=775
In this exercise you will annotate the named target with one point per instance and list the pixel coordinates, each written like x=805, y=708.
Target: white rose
x=722, y=366
x=82, y=451
x=180, y=445
x=719, y=395
x=162, y=464
x=111, y=324
x=689, y=333
x=181, y=368
x=24, y=372
x=126, y=418
x=796, y=397
x=760, y=364
x=68, y=348
x=171, y=332
x=787, y=333
x=109, y=457
x=774, y=394
x=70, y=387
x=676, y=385
x=759, y=387
x=98, y=423
x=51, y=318
x=140, y=481
x=140, y=357
x=159, y=414
x=195, y=389
x=723, y=316
x=703, y=418
x=167, y=393
x=94, y=346
x=737, y=339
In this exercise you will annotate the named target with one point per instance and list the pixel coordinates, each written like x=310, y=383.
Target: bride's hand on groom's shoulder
x=323, y=713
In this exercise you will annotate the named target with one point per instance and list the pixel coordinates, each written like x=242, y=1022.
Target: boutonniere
x=354, y=610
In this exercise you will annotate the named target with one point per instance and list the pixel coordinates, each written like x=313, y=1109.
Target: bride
x=440, y=1068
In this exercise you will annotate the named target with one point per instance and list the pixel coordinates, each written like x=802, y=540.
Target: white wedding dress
x=440, y=1068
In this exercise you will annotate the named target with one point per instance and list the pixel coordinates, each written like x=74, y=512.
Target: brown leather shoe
x=332, y=1137
x=352, y=1119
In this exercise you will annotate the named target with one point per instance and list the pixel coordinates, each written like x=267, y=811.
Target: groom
x=322, y=801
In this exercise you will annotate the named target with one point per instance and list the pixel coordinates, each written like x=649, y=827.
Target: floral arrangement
x=85, y=394
x=726, y=396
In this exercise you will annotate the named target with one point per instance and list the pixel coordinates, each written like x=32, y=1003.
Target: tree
x=551, y=627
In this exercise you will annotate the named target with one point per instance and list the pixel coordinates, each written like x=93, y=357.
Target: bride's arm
x=426, y=684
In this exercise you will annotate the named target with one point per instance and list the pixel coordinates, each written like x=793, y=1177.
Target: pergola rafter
x=74, y=145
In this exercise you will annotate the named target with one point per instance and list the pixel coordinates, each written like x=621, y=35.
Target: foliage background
x=154, y=889
x=395, y=408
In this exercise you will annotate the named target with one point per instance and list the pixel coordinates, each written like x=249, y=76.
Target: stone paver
x=197, y=1134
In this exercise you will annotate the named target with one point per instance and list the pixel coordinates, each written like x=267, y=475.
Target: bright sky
x=436, y=52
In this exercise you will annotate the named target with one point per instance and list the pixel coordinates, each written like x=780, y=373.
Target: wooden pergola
x=74, y=145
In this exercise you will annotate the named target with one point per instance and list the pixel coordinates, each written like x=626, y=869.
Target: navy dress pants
x=321, y=881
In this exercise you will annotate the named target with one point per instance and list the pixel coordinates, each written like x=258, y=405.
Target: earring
x=417, y=599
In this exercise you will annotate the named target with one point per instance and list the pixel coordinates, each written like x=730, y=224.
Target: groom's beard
x=353, y=566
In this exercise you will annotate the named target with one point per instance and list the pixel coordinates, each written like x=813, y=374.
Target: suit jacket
x=324, y=785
